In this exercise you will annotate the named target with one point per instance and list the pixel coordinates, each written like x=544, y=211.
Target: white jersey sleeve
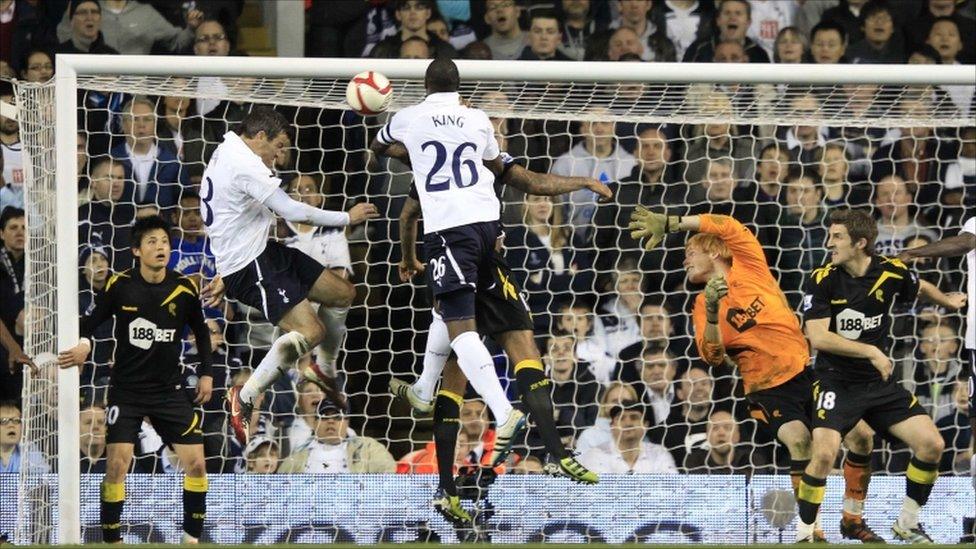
x=448, y=144
x=970, y=227
x=234, y=185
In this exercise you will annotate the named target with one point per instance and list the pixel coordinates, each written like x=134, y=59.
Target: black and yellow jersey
x=150, y=324
x=859, y=309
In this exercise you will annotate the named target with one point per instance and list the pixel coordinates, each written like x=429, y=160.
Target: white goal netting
x=612, y=320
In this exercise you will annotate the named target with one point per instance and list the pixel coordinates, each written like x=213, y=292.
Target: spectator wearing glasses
x=86, y=36
x=880, y=44
x=38, y=66
x=13, y=454
x=412, y=15
x=133, y=28
x=154, y=170
x=506, y=40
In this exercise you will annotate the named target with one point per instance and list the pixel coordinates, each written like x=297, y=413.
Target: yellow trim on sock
x=812, y=494
x=195, y=484
x=920, y=476
x=529, y=363
x=113, y=493
x=452, y=395
x=114, y=526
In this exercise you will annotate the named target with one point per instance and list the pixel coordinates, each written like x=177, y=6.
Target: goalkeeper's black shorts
x=791, y=401
x=170, y=412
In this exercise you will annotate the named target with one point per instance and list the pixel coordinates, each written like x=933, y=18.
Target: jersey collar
x=444, y=97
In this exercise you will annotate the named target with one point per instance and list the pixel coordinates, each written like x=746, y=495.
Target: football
x=369, y=93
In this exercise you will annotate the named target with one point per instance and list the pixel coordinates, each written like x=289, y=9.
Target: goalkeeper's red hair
x=710, y=244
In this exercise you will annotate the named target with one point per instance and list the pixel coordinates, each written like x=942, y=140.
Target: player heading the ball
x=240, y=197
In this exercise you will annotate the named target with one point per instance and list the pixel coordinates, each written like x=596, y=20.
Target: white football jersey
x=448, y=143
x=234, y=185
x=970, y=227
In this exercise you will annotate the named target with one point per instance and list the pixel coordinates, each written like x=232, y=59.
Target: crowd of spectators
x=629, y=392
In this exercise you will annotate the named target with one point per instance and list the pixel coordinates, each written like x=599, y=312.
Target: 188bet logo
x=142, y=334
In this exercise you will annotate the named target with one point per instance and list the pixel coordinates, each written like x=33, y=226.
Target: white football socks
x=334, y=320
x=908, y=518
x=284, y=354
x=476, y=363
x=436, y=352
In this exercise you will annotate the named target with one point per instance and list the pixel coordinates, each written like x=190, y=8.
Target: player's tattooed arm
x=545, y=184
x=409, y=265
x=947, y=247
x=394, y=150
x=822, y=339
x=931, y=293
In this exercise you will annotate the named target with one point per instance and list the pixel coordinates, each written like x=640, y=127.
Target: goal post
x=565, y=91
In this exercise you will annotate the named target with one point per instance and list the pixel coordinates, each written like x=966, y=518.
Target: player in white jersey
x=460, y=249
x=953, y=246
x=240, y=197
x=447, y=144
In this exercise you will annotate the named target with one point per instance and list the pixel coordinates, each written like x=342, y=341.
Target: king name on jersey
x=447, y=120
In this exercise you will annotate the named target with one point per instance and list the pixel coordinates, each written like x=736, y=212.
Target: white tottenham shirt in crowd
x=448, y=144
x=326, y=458
x=234, y=185
x=970, y=227
x=653, y=458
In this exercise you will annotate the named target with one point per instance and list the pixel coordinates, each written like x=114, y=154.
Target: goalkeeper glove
x=715, y=290
x=652, y=226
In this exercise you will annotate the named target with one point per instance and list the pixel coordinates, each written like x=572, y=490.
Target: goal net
x=776, y=149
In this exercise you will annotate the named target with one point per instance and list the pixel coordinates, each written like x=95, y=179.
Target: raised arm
x=947, y=247
x=931, y=293
x=543, y=184
x=299, y=212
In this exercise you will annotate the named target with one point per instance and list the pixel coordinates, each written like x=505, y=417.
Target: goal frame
x=71, y=66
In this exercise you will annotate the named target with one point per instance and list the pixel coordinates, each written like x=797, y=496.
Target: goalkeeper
x=742, y=314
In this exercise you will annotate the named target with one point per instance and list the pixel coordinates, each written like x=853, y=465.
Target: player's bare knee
x=822, y=455
x=346, y=293
x=195, y=466
x=115, y=469
x=929, y=447
x=860, y=444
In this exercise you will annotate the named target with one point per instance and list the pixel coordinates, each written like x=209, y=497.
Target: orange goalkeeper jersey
x=759, y=330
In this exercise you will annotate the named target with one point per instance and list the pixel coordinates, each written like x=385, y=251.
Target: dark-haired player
x=152, y=307
x=455, y=159
x=240, y=197
x=847, y=314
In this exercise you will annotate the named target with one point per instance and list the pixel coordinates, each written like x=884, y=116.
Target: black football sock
x=194, y=505
x=534, y=387
x=112, y=501
x=447, y=413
